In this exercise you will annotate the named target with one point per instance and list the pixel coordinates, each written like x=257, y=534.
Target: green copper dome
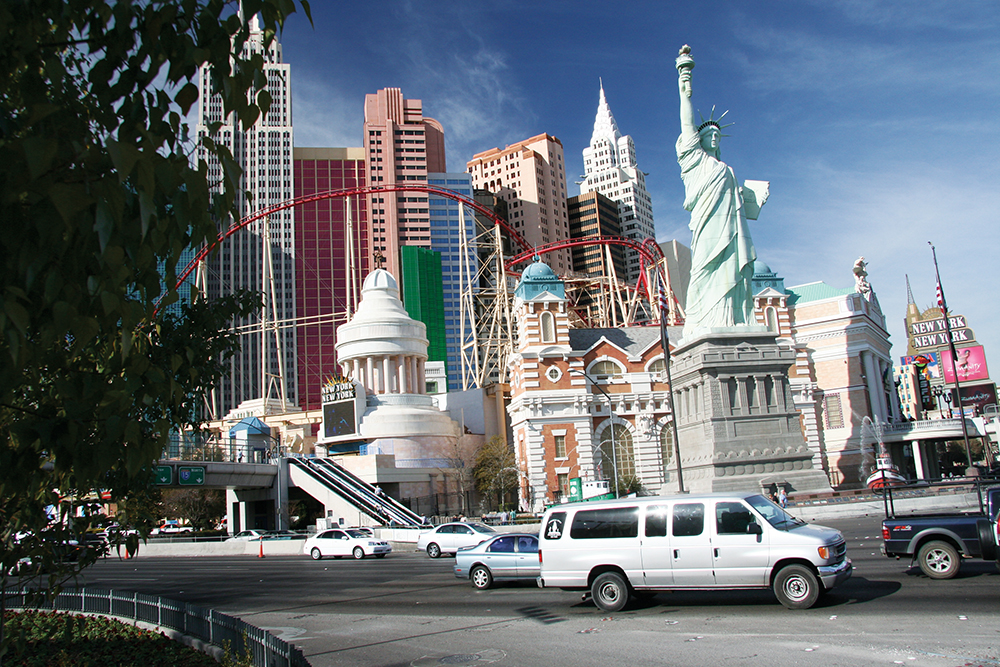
x=539, y=278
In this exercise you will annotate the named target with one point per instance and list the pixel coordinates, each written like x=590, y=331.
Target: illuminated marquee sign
x=932, y=333
x=343, y=404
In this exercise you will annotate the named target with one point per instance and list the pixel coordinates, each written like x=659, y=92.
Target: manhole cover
x=459, y=659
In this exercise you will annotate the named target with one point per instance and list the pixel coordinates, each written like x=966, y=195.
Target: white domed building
x=385, y=350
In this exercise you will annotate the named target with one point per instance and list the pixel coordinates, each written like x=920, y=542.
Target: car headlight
x=825, y=552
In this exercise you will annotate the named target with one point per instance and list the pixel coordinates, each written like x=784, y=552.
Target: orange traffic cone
x=261, y=554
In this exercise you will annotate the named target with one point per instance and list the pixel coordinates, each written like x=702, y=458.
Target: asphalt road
x=407, y=609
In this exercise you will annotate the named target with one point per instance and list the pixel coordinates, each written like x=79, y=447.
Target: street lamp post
x=611, y=411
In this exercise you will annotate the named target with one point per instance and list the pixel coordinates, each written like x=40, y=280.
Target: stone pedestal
x=737, y=425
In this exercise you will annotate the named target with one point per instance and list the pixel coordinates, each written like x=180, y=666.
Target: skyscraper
x=530, y=175
x=450, y=231
x=610, y=168
x=593, y=214
x=401, y=147
x=331, y=259
x=260, y=257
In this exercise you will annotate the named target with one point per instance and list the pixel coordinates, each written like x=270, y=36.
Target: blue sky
x=875, y=122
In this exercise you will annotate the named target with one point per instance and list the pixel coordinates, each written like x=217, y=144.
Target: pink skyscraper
x=401, y=147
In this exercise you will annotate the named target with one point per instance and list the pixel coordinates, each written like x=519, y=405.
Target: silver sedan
x=506, y=556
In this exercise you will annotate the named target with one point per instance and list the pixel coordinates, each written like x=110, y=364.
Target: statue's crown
x=713, y=121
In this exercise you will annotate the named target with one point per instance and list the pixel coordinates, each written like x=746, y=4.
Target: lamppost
x=938, y=394
x=611, y=411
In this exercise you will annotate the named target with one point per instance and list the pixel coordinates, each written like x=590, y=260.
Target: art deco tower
x=610, y=168
x=260, y=257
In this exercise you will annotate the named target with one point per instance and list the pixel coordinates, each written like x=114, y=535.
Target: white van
x=636, y=546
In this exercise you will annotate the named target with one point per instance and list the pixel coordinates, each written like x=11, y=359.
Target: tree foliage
x=495, y=469
x=99, y=195
x=202, y=508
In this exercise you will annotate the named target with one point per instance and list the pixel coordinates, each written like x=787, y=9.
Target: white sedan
x=449, y=537
x=339, y=543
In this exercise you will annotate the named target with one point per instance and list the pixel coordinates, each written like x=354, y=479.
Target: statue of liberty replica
x=722, y=253
x=738, y=427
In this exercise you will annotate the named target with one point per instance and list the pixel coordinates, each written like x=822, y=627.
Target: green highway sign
x=191, y=475
x=164, y=476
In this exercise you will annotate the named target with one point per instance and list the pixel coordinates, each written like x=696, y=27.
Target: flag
x=940, y=299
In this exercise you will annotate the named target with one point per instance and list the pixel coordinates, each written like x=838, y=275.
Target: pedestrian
x=782, y=497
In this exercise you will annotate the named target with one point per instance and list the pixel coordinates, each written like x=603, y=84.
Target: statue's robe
x=722, y=253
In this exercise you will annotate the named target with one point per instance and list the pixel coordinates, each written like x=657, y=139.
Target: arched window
x=666, y=444
x=602, y=370
x=771, y=315
x=548, y=328
x=657, y=367
x=623, y=453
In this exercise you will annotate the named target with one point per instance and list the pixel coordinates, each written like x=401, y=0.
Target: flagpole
x=665, y=343
x=971, y=471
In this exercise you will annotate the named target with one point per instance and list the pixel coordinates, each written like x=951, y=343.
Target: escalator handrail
x=358, y=491
x=385, y=501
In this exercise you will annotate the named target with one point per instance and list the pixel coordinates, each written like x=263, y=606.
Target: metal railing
x=207, y=625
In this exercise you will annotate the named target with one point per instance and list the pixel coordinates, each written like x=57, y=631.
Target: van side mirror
x=755, y=529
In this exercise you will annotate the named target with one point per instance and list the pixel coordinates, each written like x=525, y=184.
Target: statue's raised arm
x=685, y=63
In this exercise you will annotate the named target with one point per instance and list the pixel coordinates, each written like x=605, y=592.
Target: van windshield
x=774, y=515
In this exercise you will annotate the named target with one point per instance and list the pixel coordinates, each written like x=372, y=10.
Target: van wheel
x=610, y=592
x=796, y=587
x=938, y=560
x=481, y=577
x=433, y=550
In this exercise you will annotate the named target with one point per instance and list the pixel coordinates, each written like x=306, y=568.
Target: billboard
x=970, y=364
x=926, y=363
x=343, y=404
x=976, y=396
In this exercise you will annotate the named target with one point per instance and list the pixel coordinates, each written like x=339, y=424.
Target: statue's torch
x=685, y=63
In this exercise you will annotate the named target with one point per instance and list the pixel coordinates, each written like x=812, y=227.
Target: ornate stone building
x=573, y=391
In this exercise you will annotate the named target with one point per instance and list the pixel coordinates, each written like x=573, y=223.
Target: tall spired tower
x=260, y=257
x=610, y=168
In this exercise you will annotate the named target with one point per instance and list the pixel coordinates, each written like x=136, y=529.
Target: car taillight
x=885, y=532
x=539, y=556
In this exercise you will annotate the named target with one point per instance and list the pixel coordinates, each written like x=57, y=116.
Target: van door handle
x=717, y=552
x=676, y=553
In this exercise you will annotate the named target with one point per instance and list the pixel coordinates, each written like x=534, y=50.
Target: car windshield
x=480, y=528
x=774, y=515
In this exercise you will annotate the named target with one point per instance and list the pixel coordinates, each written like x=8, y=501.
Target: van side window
x=732, y=519
x=605, y=523
x=555, y=526
x=656, y=521
x=689, y=519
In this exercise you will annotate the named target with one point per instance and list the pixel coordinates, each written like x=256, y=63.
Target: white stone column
x=918, y=459
x=421, y=376
x=356, y=375
x=370, y=375
x=874, y=383
x=404, y=375
x=387, y=375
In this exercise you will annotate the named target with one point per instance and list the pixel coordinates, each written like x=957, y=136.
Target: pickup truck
x=937, y=543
